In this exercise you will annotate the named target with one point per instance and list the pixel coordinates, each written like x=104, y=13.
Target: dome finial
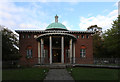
x=56, y=18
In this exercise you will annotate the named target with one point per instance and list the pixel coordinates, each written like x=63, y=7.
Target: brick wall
x=25, y=42
x=88, y=43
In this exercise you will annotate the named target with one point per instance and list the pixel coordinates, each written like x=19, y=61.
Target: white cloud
x=19, y=17
x=9, y=12
x=40, y=26
x=102, y=21
x=116, y=4
x=68, y=26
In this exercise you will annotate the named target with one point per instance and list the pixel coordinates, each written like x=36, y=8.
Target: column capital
x=42, y=41
x=71, y=41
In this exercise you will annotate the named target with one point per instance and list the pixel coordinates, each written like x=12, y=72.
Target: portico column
x=38, y=52
x=62, y=50
x=74, y=52
x=70, y=50
x=50, y=49
x=42, y=51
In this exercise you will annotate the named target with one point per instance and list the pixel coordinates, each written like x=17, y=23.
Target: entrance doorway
x=56, y=56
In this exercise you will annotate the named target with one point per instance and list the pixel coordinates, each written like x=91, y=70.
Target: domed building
x=56, y=44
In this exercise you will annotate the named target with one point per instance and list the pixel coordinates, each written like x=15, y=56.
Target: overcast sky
x=74, y=15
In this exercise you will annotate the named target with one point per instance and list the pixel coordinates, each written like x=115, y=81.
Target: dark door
x=56, y=56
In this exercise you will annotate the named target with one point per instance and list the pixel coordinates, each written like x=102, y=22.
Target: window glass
x=29, y=36
x=87, y=36
x=82, y=53
x=23, y=36
x=82, y=36
x=77, y=36
x=45, y=53
x=29, y=52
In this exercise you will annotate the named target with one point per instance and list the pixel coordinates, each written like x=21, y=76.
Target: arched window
x=29, y=36
x=29, y=52
x=77, y=36
x=87, y=36
x=83, y=52
x=23, y=36
x=82, y=36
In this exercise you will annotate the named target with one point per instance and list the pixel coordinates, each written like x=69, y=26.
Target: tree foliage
x=109, y=44
x=112, y=40
x=98, y=46
x=9, y=45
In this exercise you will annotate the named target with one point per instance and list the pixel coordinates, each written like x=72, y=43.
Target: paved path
x=58, y=74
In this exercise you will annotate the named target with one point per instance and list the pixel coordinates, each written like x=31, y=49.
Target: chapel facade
x=55, y=44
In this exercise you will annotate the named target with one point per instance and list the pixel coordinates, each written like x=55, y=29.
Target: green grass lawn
x=94, y=73
x=24, y=74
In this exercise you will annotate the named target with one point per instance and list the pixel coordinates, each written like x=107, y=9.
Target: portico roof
x=56, y=34
x=53, y=31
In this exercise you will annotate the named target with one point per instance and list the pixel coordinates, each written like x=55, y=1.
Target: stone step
x=53, y=66
x=57, y=66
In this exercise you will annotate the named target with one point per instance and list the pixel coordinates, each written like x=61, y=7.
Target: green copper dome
x=56, y=25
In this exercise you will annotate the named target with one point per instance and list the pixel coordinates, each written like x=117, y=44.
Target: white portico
x=57, y=45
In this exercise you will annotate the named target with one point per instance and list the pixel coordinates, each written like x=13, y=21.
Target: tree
x=98, y=50
x=98, y=46
x=112, y=39
x=9, y=45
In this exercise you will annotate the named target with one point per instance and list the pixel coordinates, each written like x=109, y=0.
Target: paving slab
x=58, y=74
